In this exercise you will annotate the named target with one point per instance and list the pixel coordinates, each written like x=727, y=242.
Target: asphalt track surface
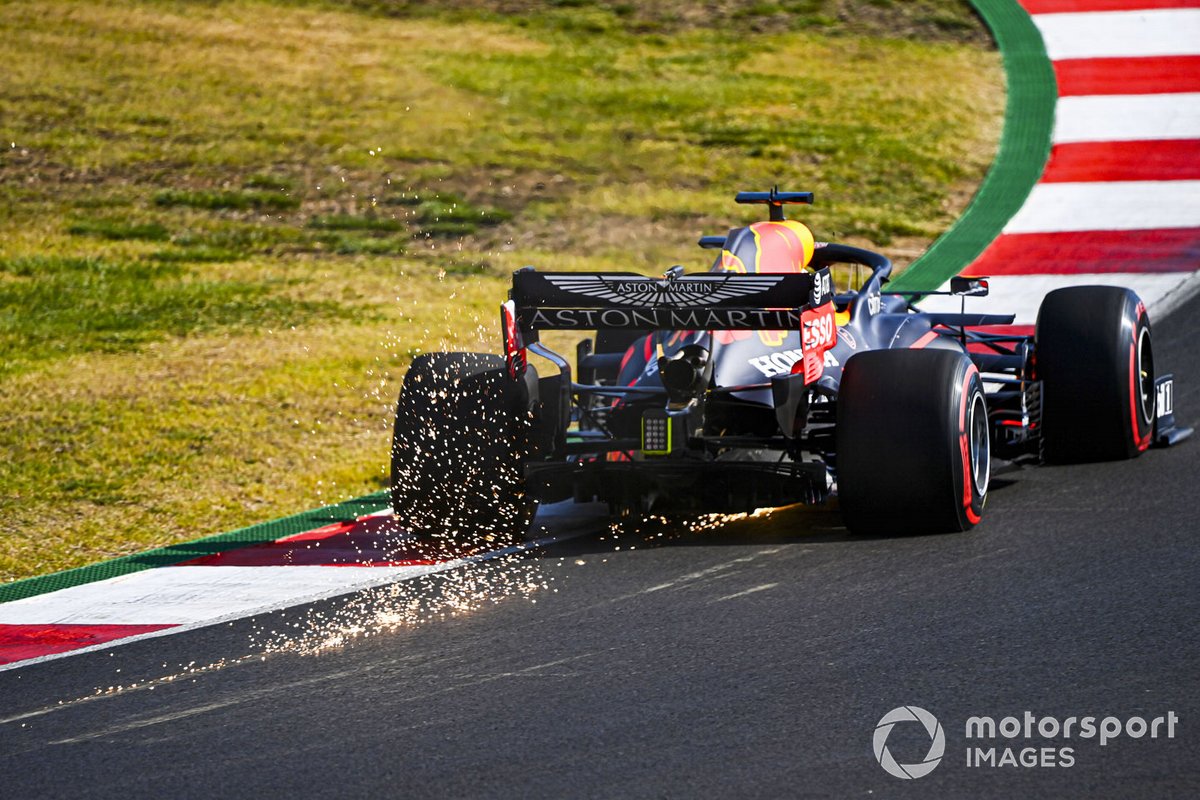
x=754, y=660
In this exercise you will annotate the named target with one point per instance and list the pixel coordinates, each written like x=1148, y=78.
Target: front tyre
x=459, y=448
x=913, y=442
x=1096, y=363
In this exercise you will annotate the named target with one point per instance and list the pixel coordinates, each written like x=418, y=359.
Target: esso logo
x=819, y=333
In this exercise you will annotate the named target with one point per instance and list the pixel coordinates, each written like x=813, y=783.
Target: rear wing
x=713, y=301
x=627, y=301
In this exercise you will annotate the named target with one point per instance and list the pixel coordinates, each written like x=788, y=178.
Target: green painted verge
x=1024, y=148
x=174, y=554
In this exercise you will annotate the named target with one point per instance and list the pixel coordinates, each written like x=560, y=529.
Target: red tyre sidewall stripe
x=1142, y=442
x=964, y=448
x=1133, y=414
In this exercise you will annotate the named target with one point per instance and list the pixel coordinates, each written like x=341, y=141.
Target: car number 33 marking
x=781, y=362
x=1166, y=399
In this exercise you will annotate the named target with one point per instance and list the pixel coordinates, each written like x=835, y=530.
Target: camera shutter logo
x=937, y=746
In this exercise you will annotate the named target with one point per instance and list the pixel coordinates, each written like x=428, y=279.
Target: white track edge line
x=300, y=601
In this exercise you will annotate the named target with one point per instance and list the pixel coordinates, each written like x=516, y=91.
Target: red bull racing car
x=760, y=383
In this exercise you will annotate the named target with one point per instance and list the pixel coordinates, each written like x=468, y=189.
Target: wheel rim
x=1145, y=375
x=981, y=446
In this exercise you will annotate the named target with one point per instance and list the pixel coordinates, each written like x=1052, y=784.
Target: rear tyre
x=459, y=446
x=913, y=442
x=1096, y=364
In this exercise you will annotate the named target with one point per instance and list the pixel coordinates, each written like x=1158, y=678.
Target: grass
x=922, y=20
x=199, y=254
x=59, y=306
x=221, y=241
x=121, y=229
x=214, y=200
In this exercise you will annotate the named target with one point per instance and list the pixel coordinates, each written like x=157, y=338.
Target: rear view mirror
x=969, y=287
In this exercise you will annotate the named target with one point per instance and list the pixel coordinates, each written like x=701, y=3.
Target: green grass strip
x=1024, y=148
x=174, y=554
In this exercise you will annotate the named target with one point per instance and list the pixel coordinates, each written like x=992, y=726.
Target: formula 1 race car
x=759, y=384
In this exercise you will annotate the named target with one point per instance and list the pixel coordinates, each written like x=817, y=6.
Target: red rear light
x=514, y=347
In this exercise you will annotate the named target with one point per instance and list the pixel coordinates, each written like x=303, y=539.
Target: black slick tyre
x=1096, y=362
x=913, y=443
x=459, y=446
